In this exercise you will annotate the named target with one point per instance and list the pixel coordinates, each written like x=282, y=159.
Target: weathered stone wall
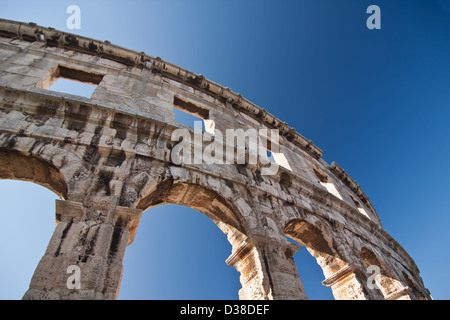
x=109, y=159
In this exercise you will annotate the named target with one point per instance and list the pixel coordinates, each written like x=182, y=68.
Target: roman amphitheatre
x=108, y=158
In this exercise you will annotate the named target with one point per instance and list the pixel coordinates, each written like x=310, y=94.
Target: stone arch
x=414, y=287
x=217, y=207
x=178, y=253
x=318, y=244
x=344, y=277
x=390, y=287
x=266, y=267
x=25, y=166
x=203, y=199
x=308, y=235
x=29, y=167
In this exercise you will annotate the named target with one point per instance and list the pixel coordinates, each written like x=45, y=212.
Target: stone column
x=348, y=284
x=390, y=288
x=83, y=260
x=403, y=293
x=268, y=270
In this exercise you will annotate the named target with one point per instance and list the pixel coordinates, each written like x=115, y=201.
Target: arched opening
x=311, y=275
x=388, y=285
x=178, y=253
x=415, y=289
x=29, y=186
x=314, y=260
x=28, y=221
x=221, y=211
x=16, y=165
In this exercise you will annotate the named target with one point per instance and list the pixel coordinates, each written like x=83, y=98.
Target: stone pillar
x=83, y=260
x=268, y=270
x=347, y=284
x=390, y=288
x=403, y=293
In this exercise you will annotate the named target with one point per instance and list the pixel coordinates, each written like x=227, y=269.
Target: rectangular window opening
x=188, y=113
x=323, y=180
x=276, y=157
x=73, y=81
x=269, y=151
x=360, y=207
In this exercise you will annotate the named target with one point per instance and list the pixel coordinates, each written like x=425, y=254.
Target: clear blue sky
x=375, y=101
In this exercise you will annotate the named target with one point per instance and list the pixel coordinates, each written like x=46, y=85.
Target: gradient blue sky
x=375, y=101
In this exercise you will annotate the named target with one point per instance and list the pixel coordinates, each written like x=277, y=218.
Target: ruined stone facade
x=108, y=159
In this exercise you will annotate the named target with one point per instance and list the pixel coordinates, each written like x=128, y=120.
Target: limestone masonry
x=109, y=159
